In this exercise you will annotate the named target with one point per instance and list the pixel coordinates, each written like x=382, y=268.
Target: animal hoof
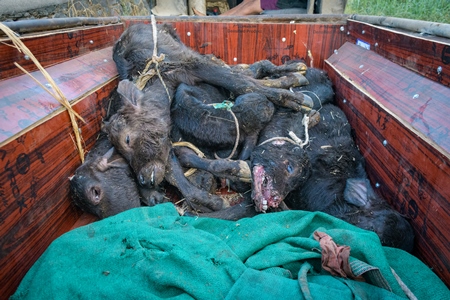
x=301, y=79
x=307, y=104
x=314, y=118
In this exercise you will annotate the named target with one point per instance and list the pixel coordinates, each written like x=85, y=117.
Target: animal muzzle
x=263, y=193
x=151, y=176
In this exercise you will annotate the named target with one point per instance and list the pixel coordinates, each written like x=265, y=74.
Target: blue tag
x=363, y=44
x=226, y=104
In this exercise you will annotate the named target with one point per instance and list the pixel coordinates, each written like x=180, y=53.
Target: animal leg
x=245, y=209
x=285, y=82
x=264, y=68
x=175, y=176
x=240, y=84
x=235, y=170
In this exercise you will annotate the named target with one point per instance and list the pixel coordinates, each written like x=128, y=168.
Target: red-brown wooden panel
x=425, y=55
x=418, y=101
x=54, y=48
x=34, y=187
x=248, y=42
x=413, y=167
x=237, y=43
x=23, y=102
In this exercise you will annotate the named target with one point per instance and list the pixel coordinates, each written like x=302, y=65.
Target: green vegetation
x=428, y=10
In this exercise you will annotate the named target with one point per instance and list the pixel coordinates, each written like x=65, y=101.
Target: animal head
x=277, y=168
x=374, y=213
x=140, y=132
x=104, y=186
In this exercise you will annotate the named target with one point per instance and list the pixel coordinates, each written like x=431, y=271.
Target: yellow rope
x=190, y=146
x=58, y=95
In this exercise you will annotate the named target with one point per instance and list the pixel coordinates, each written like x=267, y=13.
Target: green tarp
x=153, y=253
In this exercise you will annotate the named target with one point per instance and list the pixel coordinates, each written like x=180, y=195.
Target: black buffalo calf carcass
x=338, y=184
x=104, y=185
x=278, y=165
x=140, y=130
x=198, y=113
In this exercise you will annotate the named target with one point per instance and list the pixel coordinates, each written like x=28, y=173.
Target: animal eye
x=289, y=168
x=127, y=140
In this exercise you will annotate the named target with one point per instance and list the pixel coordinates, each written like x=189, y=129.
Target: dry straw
x=58, y=95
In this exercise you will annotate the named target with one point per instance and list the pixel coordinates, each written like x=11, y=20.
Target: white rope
x=155, y=36
x=147, y=74
x=405, y=288
x=305, y=123
x=294, y=138
x=236, y=142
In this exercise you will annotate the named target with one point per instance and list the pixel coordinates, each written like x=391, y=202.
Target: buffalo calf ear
x=129, y=92
x=357, y=191
x=171, y=31
x=102, y=164
x=111, y=159
x=118, y=162
x=104, y=126
x=109, y=153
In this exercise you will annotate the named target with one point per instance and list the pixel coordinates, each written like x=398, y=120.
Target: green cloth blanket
x=153, y=253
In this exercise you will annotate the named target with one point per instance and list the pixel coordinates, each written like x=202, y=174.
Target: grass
x=93, y=8
x=428, y=10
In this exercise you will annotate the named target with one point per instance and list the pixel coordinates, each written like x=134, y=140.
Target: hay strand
x=58, y=95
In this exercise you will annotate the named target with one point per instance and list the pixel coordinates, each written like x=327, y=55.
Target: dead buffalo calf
x=104, y=185
x=215, y=128
x=338, y=183
x=180, y=64
x=140, y=131
x=279, y=163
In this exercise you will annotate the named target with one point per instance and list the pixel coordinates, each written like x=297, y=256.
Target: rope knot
x=294, y=138
x=157, y=59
